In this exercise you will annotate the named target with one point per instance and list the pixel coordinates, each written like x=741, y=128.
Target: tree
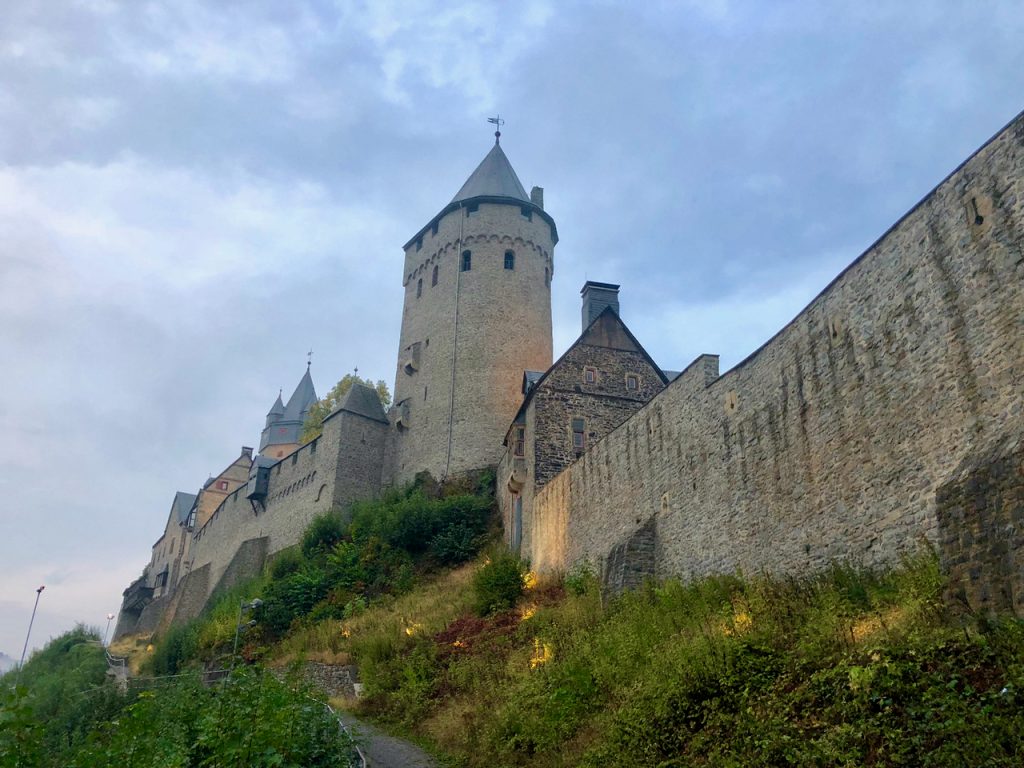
x=313, y=427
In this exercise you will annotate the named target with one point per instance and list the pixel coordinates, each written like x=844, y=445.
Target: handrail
x=347, y=732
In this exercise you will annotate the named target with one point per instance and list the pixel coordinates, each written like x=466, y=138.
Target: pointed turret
x=283, y=432
x=276, y=411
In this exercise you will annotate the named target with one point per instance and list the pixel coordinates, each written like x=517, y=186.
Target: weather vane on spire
x=309, y=357
x=497, y=122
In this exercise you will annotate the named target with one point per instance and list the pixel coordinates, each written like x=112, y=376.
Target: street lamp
x=243, y=606
x=110, y=618
x=28, y=635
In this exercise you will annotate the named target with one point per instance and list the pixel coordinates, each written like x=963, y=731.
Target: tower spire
x=497, y=122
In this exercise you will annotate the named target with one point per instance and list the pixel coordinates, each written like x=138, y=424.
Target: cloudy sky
x=193, y=194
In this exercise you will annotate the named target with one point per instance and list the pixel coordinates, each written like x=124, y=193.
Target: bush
x=286, y=562
x=292, y=597
x=175, y=648
x=499, y=584
x=323, y=532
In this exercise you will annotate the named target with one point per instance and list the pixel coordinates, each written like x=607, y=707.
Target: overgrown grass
x=848, y=668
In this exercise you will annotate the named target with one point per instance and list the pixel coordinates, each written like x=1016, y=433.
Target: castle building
x=602, y=379
x=282, y=433
x=888, y=412
x=477, y=313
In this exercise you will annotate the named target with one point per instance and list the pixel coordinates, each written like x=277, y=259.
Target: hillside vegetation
x=461, y=648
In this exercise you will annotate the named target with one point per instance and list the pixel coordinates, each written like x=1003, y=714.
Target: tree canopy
x=313, y=427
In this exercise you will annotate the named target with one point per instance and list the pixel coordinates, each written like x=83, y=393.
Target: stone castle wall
x=503, y=320
x=341, y=466
x=830, y=441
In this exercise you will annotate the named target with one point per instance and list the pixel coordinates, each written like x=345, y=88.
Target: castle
x=888, y=413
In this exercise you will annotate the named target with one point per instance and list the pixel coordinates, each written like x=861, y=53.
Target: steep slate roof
x=362, y=401
x=302, y=399
x=277, y=409
x=494, y=177
x=181, y=506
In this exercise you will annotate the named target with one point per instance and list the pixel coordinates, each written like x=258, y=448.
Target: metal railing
x=359, y=756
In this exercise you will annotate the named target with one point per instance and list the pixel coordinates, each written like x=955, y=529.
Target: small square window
x=589, y=375
x=222, y=485
x=632, y=382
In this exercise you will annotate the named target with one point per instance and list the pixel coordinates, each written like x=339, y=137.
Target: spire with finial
x=309, y=357
x=497, y=122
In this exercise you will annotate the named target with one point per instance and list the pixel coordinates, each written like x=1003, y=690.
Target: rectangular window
x=547, y=277
x=222, y=485
x=295, y=458
x=510, y=260
x=472, y=208
x=589, y=375
x=433, y=229
x=467, y=261
x=419, y=243
x=519, y=446
x=433, y=276
x=579, y=441
x=312, y=447
x=632, y=382
x=419, y=287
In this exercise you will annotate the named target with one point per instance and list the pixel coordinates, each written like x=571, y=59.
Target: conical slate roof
x=301, y=400
x=494, y=177
x=277, y=409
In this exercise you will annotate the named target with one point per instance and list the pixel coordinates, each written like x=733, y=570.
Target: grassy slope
x=846, y=669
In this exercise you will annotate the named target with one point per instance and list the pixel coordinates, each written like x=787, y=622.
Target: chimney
x=247, y=451
x=537, y=197
x=596, y=297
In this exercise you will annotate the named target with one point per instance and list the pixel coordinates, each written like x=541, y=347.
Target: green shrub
x=499, y=584
x=174, y=649
x=286, y=562
x=292, y=597
x=323, y=532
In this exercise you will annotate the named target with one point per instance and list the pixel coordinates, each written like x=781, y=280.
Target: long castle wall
x=341, y=466
x=830, y=441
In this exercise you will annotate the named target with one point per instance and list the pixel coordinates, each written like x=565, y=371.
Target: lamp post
x=28, y=635
x=110, y=618
x=243, y=606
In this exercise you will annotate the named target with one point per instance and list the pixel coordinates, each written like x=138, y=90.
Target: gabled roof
x=362, y=401
x=494, y=177
x=181, y=506
x=302, y=399
x=590, y=335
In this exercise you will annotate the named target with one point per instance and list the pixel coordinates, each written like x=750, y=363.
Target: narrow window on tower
x=579, y=441
x=467, y=261
x=520, y=442
x=433, y=229
x=547, y=277
x=510, y=260
x=419, y=287
x=433, y=276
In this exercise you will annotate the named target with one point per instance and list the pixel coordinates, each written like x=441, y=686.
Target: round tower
x=477, y=315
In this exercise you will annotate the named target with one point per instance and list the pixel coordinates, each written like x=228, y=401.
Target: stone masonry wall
x=831, y=440
x=341, y=466
x=981, y=530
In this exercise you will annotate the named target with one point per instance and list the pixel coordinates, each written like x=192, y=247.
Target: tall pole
x=28, y=635
x=110, y=618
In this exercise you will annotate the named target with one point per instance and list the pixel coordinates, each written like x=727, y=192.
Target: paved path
x=384, y=751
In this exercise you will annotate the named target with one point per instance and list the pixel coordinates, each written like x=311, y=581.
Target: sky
x=194, y=194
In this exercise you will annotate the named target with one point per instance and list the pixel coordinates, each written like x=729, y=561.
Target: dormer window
x=510, y=260
x=467, y=261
